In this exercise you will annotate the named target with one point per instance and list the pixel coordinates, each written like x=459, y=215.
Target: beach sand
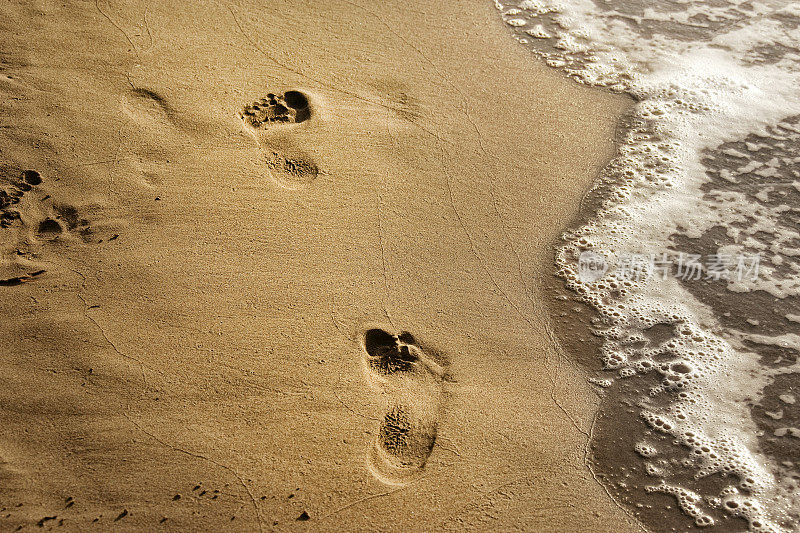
x=193, y=355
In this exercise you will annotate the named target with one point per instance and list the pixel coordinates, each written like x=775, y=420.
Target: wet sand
x=187, y=292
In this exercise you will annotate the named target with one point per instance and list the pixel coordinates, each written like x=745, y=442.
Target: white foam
x=704, y=74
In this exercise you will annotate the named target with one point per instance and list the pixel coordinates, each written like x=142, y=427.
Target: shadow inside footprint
x=386, y=354
x=31, y=177
x=49, y=229
x=298, y=101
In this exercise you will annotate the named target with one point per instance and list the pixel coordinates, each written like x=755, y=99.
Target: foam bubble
x=688, y=502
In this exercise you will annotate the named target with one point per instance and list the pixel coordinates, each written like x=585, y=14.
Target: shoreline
x=204, y=326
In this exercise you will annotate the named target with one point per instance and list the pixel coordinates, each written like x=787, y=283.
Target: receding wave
x=691, y=260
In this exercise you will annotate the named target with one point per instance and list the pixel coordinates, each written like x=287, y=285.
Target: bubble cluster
x=688, y=501
x=645, y=450
x=749, y=509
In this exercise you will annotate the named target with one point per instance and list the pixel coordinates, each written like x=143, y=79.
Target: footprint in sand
x=147, y=108
x=32, y=221
x=272, y=120
x=410, y=382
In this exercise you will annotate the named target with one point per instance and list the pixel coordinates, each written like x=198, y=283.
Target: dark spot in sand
x=41, y=522
x=295, y=99
x=49, y=228
x=31, y=177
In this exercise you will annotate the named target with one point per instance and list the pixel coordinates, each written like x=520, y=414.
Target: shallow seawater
x=692, y=259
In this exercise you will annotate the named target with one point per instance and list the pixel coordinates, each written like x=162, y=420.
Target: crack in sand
x=505, y=296
x=109, y=19
x=149, y=33
x=383, y=261
x=365, y=499
x=86, y=308
x=230, y=470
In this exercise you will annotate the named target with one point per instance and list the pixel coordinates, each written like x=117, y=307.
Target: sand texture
x=279, y=266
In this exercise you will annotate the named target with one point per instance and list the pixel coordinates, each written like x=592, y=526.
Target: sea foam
x=708, y=167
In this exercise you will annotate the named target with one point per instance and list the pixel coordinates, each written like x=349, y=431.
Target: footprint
x=31, y=222
x=64, y=221
x=147, y=108
x=410, y=382
x=291, y=107
x=272, y=121
x=74, y=221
